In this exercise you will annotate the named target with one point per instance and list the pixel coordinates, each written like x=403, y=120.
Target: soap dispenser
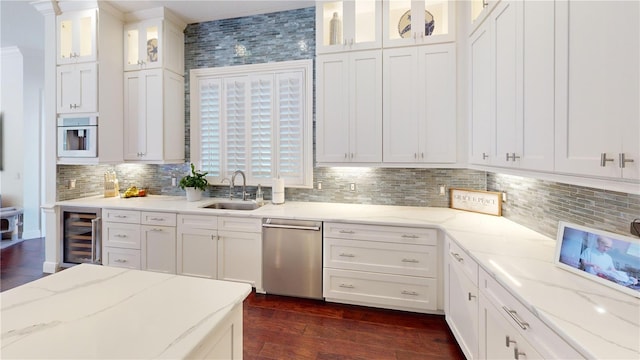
x=259, y=196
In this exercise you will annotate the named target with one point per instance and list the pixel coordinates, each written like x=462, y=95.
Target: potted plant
x=195, y=184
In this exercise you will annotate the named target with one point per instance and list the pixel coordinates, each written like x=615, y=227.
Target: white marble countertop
x=91, y=311
x=600, y=322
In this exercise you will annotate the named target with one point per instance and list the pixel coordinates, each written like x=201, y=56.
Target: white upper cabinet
x=153, y=43
x=597, y=88
x=482, y=84
x=407, y=22
x=524, y=82
x=349, y=107
x=76, y=36
x=480, y=9
x=512, y=82
x=348, y=25
x=77, y=88
x=420, y=104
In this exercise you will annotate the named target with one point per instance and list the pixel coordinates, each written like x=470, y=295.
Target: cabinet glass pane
x=399, y=24
x=66, y=38
x=440, y=11
x=86, y=32
x=132, y=46
x=365, y=21
x=152, y=43
x=476, y=8
x=332, y=18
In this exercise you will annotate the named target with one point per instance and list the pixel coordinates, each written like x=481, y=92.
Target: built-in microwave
x=78, y=136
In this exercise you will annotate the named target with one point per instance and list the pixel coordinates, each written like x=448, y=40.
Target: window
x=254, y=118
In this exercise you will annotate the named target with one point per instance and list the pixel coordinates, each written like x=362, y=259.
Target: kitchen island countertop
x=599, y=322
x=100, y=312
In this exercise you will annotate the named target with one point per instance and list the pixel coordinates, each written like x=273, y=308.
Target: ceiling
x=195, y=11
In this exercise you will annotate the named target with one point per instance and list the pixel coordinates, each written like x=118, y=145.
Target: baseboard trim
x=49, y=267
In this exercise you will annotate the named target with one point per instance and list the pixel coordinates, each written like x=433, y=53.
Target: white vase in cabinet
x=419, y=116
x=597, y=89
x=154, y=43
x=407, y=22
x=77, y=88
x=153, y=116
x=359, y=22
x=76, y=36
x=349, y=107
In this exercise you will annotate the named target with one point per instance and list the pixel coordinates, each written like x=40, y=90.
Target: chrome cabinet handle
x=346, y=255
x=410, y=261
x=517, y=354
x=485, y=156
x=514, y=315
x=158, y=219
x=508, y=341
x=156, y=230
x=604, y=159
x=473, y=297
x=347, y=232
x=120, y=216
x=407, y=292
x=624, y=160
x=346, y=286
x=120, y=260
x=410, y=236
x=120, y=235
x=457, y=257
x=485, y=3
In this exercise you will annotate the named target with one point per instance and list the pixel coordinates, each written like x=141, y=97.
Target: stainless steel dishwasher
x=292, y=257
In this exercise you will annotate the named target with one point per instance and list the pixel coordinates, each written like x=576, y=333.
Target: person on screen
x=596, y=260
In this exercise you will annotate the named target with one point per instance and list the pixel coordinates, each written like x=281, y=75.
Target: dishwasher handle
x=295, y=227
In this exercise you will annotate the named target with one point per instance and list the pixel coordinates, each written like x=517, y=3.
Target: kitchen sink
x=233, y=205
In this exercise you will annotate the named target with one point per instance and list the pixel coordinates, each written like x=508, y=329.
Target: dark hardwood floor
x=280, y=327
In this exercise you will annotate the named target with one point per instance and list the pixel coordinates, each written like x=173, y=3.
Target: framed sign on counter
x=485, y=202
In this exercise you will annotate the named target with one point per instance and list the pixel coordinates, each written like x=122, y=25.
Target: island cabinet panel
x=383, y=266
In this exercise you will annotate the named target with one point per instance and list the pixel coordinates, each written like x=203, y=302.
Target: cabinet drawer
x=197, y=222
x=395, y=234
x=381, y=257
x=125, y=258
x=121, y=235
x=462, y=262
x=389, y=291
x=239, y=224
x=121, y=216
x=543, y=339
x=158, y=218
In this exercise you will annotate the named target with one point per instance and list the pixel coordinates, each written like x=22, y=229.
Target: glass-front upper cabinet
x=407, y=22
x=143, y=45
x=348, y=25
x=76, y=36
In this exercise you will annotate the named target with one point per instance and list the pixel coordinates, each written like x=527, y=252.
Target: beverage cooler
x=80, y=232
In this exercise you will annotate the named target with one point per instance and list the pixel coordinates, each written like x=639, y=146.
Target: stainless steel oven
x=80, y=233
x=77, y=136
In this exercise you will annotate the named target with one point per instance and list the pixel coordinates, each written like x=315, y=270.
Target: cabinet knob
x=624, y=160
x=604, y=159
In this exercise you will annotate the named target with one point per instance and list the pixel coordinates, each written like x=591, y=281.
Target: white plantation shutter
x=262, y=110
x=236, y=115
x=290, y=126
x=210, y=135
x=254, y=118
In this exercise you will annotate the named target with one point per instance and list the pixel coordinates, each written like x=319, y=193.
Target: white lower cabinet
x=197, y=246
x=461, y=297
x=121, y=238
x=382, y=266
x=508, y=330
x=240, y=250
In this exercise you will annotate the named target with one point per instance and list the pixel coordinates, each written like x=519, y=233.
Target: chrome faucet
x=244, y=185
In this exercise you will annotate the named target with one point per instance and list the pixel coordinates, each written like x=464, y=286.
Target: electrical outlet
x=442, y=189
x=174, y=181
x=504, y=196
x=319, y=185
x=635, y=227
x=72, y=184
x=352, y=186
